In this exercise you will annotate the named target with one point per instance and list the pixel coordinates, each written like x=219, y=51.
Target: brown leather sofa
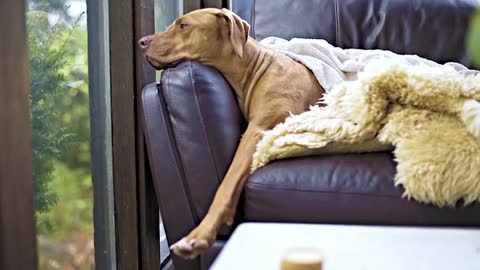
x=193, y=125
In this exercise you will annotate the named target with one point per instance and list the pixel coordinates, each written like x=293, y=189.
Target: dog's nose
x=144, y=42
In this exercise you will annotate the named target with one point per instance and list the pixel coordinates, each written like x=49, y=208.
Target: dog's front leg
x=222, y=210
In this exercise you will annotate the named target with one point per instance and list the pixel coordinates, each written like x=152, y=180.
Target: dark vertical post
x=213, y=3
x=189, y=5
x=101, y=133
x=149, y=236
x=18, y=248
x=122, y=80
x=136, y=209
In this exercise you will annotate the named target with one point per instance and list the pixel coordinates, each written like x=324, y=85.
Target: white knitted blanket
x=333, y=65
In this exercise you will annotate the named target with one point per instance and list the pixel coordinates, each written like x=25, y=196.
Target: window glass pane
x=57, y=36
x=166, y=11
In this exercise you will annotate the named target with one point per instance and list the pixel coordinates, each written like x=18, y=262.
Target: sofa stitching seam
x=202, y=124
x=337, y=24
x=179, y=160
x=253, y=17
x=269, y=187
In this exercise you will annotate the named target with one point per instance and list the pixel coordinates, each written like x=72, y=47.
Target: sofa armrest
x=193, y=125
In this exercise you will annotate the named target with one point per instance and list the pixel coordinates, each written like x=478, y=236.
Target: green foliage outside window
x=54, y=95
x=47, y=83
x=61, y=135
x=473, y=39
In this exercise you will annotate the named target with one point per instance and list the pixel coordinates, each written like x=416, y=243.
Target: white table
x=262, y=245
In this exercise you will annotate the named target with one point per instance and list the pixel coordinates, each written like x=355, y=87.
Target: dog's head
x=200, y=35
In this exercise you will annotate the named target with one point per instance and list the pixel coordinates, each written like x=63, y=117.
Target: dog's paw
x=196, y=242
x=471, y=116
x=189, y=248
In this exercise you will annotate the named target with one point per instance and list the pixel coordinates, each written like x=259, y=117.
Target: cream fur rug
x=430, y=115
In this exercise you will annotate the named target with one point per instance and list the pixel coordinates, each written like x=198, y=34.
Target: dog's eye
x=184, y=25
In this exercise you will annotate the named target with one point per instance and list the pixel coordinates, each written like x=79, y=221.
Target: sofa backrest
x=434, y=29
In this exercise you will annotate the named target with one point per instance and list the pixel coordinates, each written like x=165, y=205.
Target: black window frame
x=126, y=215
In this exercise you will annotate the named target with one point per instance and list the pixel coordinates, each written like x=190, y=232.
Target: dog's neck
x=243, y=72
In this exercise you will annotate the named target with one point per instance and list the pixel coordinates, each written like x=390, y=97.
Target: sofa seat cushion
x=351, y=189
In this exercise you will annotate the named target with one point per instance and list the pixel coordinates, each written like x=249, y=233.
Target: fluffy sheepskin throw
x=429, y=115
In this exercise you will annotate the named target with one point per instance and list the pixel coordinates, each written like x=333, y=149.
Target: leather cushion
x=206, y=125
x=434, y=29
x=353, y=188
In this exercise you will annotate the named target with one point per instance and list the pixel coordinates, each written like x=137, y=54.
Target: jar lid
x=302, y=258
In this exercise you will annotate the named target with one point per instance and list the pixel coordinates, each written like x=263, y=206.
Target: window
x=78, y=110
x=166, y=12
x=58, y=62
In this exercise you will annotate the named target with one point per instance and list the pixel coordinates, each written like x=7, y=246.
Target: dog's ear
x=238, y=30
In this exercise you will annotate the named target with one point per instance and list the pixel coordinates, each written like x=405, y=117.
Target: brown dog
x=268, y=86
